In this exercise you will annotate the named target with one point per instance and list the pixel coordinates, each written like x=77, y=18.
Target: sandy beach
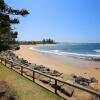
x=72, y=65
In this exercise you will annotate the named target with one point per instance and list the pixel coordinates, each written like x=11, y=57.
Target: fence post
x=55, y=86
x=5, y=62
x=21, y=70
x=33, y=76
x=11, y=65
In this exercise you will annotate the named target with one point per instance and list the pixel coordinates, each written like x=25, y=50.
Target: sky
x=61, y=20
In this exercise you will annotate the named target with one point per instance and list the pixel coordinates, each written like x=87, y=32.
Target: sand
x=70, y=67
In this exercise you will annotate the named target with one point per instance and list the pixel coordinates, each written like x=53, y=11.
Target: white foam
x=58, y=52
x=76, y=54
x=97, y=50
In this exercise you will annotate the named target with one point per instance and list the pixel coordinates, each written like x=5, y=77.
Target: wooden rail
x=5, y=62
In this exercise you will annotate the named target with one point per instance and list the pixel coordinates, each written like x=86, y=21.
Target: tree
x=43, y=41
x=48, y=41
x=7, y=34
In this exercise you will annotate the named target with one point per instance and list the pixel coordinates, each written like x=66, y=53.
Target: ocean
x=72, y=49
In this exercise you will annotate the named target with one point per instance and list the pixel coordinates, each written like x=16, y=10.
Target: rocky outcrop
x=58, y=86
x=68, y=90
x=45, y=80
x=84, y=81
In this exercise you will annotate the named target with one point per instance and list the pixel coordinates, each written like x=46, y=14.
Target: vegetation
x=7, y=34
x=25, y=89
x=44, y=41
x=48, y=41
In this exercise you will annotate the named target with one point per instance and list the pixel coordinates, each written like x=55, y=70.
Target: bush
x=17, y=48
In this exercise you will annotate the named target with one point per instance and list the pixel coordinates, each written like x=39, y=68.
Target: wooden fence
x=6, y=62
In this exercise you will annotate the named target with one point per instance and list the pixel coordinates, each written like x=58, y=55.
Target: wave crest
x=97, y=50
x=61, y=53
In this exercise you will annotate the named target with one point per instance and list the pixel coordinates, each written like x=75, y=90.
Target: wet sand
x=67, y=65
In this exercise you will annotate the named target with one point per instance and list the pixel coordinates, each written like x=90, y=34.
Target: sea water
x=72, y=49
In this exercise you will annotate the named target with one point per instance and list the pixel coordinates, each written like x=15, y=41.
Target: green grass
x=25, y=89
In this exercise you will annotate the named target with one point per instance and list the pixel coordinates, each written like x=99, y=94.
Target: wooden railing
x=5, y=62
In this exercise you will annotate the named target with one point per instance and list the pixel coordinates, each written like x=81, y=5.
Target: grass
x=25, y=89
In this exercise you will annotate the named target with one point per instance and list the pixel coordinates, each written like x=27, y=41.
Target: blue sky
x=61, y=20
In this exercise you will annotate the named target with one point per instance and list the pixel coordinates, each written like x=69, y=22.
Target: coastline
x=51, y=62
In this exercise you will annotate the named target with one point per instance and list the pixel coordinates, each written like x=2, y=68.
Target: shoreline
x=56, y=64
x=91, y=57
x=61, y=58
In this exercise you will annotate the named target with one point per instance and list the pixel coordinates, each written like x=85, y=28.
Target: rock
x=59, y=84
x=68, y=90
x=45, y=80
x=78, y=79
x=82, y=81
x=74, y=76
x=95, y=86
x=54, y=73
x=93, y=79
x=41, y=68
